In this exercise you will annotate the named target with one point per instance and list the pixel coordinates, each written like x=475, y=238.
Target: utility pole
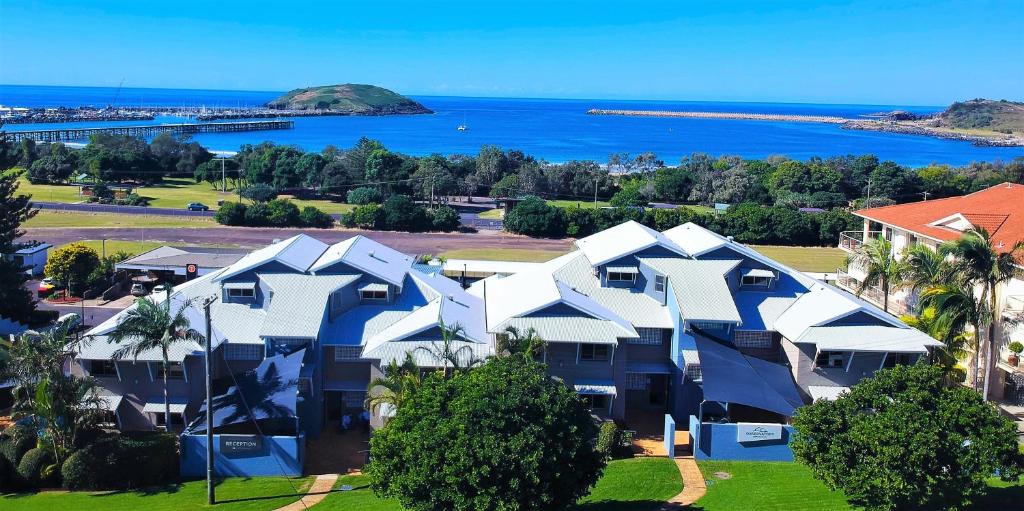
x=211, y=498
x=867, y=203
x=595, y=190
x=223, y=177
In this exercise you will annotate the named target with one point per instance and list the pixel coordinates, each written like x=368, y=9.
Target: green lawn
x=49, y=218
x=812, y=259
x=503, y=254
x=133, y=247
x=171, y=193
x=638, y=484
x=790, y=486
x=585, y=204
x=235, y=494
x=492, y=214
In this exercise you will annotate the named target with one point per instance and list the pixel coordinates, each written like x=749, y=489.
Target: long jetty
x=67, y=134
x=722, y=115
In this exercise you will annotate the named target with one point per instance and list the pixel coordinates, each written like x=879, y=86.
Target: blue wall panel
x=718, y=442
x=280, y=456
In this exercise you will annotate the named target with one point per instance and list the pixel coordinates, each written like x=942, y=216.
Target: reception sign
x=757, y=432
x=240, y=444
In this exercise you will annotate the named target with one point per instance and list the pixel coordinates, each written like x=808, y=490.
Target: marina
x=71, y=134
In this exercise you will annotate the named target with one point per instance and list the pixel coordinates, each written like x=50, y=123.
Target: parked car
x=139, y=290
x=197, y=206
x=47, y=286
x=161, y=288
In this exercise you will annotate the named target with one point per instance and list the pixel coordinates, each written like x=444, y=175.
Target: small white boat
x=462, y=127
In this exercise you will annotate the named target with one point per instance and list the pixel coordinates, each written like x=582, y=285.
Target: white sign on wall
x=757, y=432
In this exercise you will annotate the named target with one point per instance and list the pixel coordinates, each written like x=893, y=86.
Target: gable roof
x=999, y=209
x=367, y=256
x=297, y=252
x=695, y=239
x=622, y=240
x=821, y=305
x=699, y=287
x=297, y=306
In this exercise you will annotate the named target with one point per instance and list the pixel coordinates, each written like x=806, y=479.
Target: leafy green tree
x=364, y=195
x=512, y=342
x=16, y=300
x=632, y=195
x=384, y=168
x=881, y=268
x=507, y=186
x=445, y=219
x=433, y=179
x=230, y=213
x=313, y=217
x=71, y=265
x=259, y=192
x=895, y=182
x=400, y=213
x=957, y=309
x=56, y=166
x=502, y=436
x=904, y=440
x=491, y=165
x=672, y=184
x=535, y=217
x=150, y=325
x=283, y=213
x=368, y=216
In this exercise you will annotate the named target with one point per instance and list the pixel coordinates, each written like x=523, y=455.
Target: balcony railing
x=873, y=294
x=852, y=241
x=1014, y=305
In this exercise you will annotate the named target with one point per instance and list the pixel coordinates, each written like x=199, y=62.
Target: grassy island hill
x=349, y=99
x=985, y=114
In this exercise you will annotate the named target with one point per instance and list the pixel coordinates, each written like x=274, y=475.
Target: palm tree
x=881, y=268
x=453, y=360
x=955, y=310
x=395, y=386
x=151, y=325
x=513, y=342
x=955, y=342
x=977, y=262
x=925, y=267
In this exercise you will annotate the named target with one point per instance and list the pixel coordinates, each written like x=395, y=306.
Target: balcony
x=1014, y=306
x=852, y=241
x=873, y=294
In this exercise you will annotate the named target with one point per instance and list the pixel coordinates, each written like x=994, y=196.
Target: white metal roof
x=641, y=310
x=155, y=404
x=595, y=387
x=695, y=239
x=110, y=402
x=622, y=240
x=424, y=352
x=570, y=329
x=240, y=285
x=823, y=304
x=299, y=301
x=367, y=256
x=875, y=338
x=297, y=252
x=699, y=287
x=756, y=272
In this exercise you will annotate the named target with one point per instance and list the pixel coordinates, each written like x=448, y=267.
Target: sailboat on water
x=463, y=127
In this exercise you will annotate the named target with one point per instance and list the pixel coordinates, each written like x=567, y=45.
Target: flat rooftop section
x=172, y=258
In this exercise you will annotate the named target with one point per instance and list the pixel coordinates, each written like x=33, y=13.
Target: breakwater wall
x=68, y=134
x=722, y=115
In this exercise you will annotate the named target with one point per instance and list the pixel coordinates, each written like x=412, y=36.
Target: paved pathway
x=693, y=484
x=318, y=491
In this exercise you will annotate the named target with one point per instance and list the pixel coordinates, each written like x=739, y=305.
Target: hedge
x=121, y=462
x=15, y=441
x=33, y=465
x=276, y=213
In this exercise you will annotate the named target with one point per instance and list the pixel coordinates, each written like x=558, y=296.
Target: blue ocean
x=556, y=130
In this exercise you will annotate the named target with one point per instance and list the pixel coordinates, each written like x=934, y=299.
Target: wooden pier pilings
x=68, y=134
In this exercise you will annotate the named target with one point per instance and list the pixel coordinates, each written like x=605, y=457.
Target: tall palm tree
x=925, y=267
x=394, y=387
x=881, y=268
x=514, y=342
x=154, y=326
x=955, y=310
x=955, y=342
x=978, y=263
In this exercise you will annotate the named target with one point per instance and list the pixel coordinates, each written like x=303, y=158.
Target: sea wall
x=722, y=115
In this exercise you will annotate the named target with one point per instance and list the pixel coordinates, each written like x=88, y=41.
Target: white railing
x=1014, y=303
x=873, y=294
x=852, y=241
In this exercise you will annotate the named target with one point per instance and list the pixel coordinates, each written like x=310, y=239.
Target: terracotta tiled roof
x=999, y=209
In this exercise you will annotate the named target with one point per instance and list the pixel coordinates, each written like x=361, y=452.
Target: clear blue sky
x=885, y=52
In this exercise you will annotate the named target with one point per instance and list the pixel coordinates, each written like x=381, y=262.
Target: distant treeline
x=368, y=169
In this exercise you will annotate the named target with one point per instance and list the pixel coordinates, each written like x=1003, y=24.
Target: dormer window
x=241, y=289
x=756, y=277
x=374, y=292
x=622, y=273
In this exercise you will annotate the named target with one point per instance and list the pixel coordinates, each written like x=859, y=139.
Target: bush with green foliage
x=400, y=213
x=364, y=217
x=503, y=435
x=120, y=462
x=535, y=217
x=282, y=213
x=364, y=195
x=15, y=441
x=231, y=213
x=904, y=439
x=256, y=214
x=36, y=468
x=8, y=477
x=313, y=217
x=259, y=192
x=445, y=219
x=71, y=265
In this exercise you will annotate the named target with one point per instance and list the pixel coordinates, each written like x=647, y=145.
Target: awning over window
x=374, y=287
x=156, y=405
x=731, y=377
x=757, y=272
x=267, y=393
x=591, y=387
x=623, y=269
x=648, y=367
x=111, y=402
x=239, y=285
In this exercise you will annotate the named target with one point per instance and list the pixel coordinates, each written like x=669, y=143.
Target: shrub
x=120, y=462
x=607, y=436
x=535, y=217
x=259, y=192
x=34, y=468
x=231, y=213
x=15, y=441
x=363, y=195
x=400, y=213
x=313, y=217
x=282, y=213
x=445, y=219
x=256, y=215
x=8, y=477
x=365, y=217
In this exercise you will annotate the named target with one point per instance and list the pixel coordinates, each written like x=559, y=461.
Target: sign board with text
x=757, y=432
x=240, y=444
x=191, y=271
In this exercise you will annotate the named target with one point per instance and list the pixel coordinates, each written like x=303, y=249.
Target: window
x=659, y=283
x=755, y=280
x=693, y=372
x=244, y=352
x=346, y=353
x=620, y=276
x=373, y=294
x=894, y=359
x=887, y=232
x=636, y=381
x=830, y=359
x=650, y=336
x=235, y=292
x=177, y=419
x=593, y=352
x=707, y=325
x=595, y=401
x=753, y=339
x=102, y=368
x=176, y=371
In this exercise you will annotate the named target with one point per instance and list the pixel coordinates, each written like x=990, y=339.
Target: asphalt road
x=250, y=237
